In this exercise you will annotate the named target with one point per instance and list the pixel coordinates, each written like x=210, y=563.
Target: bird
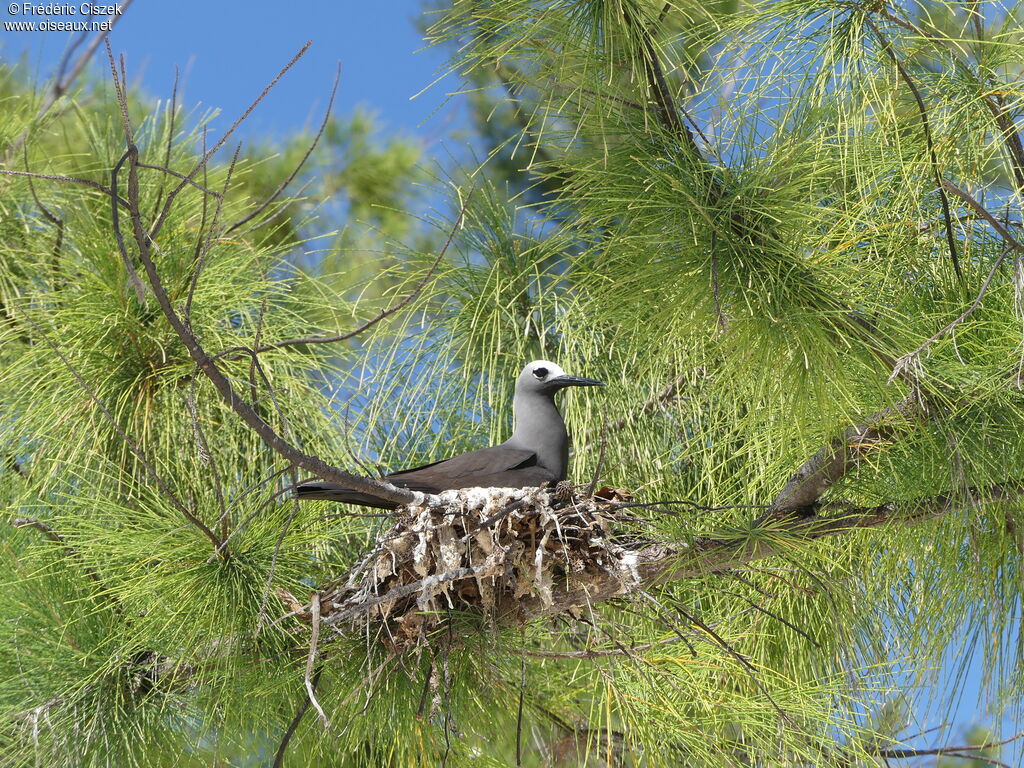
x=537, y=453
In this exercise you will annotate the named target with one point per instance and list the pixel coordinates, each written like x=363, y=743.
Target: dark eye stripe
x=540, y=373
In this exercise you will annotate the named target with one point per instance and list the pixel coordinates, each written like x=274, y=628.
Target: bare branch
x=840, y=456
x=311, y=661
x=291, y=177
x=908, y=359
x=387, y=312
x=667, y=110
x=69, y=179
x=15, y=466
x=203, y=449
x=183, y=177
x=45, y=529
x=1003, y=232
x=659, y=563
x=966, y=751
x=170, y=140
x=290, y=730
x=133, y=276
x=50, y=216
x=162, y=218
x=651, y=404
x=200, y=261
x=144, y=240
x=927, y=131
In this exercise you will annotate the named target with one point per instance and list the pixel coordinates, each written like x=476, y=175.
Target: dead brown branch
x=145, y=241
x=291, y=177
x=966, y=751
x=68, y=179
x=169, y=203
x=927, y=131
x=386, y=313
x=844, y=453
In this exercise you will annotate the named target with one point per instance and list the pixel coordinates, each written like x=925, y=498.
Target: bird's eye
x=540, y=373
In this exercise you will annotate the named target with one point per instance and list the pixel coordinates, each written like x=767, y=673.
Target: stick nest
x=481, y=550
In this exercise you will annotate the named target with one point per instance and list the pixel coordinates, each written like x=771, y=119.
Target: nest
x=482, y=550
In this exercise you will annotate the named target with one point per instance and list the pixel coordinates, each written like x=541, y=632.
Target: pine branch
x=990, y=97
x=927, y=131
x=144, y=241
x=48, y=532
x=385, y=313
x=177, y=503
x=842, y=455
x=659, y=563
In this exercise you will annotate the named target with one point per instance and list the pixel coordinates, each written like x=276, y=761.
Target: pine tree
x=788, y=236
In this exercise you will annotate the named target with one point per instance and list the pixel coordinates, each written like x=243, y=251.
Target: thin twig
x=115, y=219
x=170, y=141
x=15, y=466
x=927, y=131
x=294, y=724
x=385, y=313
x=905, y=753
x=727, y=647
x=265, y=597
x=595, y=653
x=978, y=208
x=907, y=360
x=600, y=460
x=311, y=660
x=519, y=708
x=56, y=538
x=50, y=216
x=70, y=179
x=252, y=515
x=158, y=224
x=190, y=182
x=291, y=177
x=996, y=105
x=660, y=90
x=201, y=261
x=207, y=458
x=44, y=528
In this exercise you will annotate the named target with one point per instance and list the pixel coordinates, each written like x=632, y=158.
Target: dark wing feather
x=497, y=467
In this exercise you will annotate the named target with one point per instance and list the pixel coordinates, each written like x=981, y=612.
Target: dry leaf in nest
x=476, y=550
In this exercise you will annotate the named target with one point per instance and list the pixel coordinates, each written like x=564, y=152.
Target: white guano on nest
x=478, y=550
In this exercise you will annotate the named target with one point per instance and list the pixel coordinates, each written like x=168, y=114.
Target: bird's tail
x=335, y=492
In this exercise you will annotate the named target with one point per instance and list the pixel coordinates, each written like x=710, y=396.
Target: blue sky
x=228, y=51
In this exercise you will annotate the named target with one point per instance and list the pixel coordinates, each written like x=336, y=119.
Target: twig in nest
x=311, y=661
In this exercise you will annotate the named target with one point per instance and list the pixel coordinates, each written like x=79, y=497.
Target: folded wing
x=495, y=467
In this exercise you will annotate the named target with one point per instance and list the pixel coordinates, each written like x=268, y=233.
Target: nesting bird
x=536, y=454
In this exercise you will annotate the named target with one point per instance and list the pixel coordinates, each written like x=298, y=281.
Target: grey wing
x=495, y=467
